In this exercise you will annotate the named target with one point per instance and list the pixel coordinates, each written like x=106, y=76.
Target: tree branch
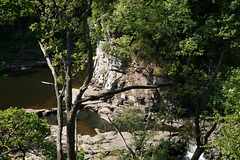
x=90, y=68
x=59, y=97
x=216, y=70
x=124, y=141
x=97, y=97
x=209, y=133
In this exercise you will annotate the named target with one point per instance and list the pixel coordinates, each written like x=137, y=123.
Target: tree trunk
x=68, y=72
x=197, y=153
x=68, y=101
x=76, y=134
x=70, y=136
x=60, y=126
x=59, y=104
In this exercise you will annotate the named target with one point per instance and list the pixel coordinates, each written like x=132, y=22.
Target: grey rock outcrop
x=110, y=74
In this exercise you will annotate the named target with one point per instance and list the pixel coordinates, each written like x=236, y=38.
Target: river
x=24, y=89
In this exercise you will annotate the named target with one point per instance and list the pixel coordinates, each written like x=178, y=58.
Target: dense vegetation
x=23, y=132
x=191, y=42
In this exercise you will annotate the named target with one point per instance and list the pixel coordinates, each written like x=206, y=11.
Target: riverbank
x=105, y=139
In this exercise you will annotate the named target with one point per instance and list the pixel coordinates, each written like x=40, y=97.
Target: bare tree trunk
x=60, y=127
x=68, y=101
x=70, y=136
x=76, y=134
x=59, y=104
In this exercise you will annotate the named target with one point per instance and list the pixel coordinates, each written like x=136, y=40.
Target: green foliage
x=61, y=31
x=147, y=28
x=20, y=132
x=133, y=121
x=229, y=137
x=106, y=47
x=11, y=10
x=164, y=150
x=81, y=154
x=16, y=39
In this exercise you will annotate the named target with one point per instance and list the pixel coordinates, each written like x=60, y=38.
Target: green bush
x=228, y=140
x=106, y=47
x=22, y=132
x=133, y=120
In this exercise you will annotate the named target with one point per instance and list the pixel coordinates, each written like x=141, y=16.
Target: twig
x=47, y=83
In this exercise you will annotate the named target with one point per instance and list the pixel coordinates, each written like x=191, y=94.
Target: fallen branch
x=101, y=95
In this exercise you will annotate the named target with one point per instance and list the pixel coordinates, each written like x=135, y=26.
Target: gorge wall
x=111, y=74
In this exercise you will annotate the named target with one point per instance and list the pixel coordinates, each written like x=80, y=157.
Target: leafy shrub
x=134, y=121
x=106, y=47
x=22, y=132
x=228, y=140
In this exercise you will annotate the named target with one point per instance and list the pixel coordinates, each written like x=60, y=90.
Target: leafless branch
x=104, y=15
x=209, y=133
x=216, y=70
x=97, y=97
x=47, y=83
x=124, y=141
x=51, y=67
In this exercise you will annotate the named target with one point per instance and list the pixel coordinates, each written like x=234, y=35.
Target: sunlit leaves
x=21, y=131
x=11, y=10
x=57, y=19
x=152, y=27
x=229, y=139
x=230, y=22
x=189, y=47
x=122, y=51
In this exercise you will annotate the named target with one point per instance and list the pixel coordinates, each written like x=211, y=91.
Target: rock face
x=111, y=74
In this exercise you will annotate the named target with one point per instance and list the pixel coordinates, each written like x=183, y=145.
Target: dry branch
x=124, y=141
x=101, y=95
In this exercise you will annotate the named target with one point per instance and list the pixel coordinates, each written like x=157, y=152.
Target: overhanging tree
x=65, y=43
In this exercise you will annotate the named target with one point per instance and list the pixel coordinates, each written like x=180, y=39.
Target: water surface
x=23, y=89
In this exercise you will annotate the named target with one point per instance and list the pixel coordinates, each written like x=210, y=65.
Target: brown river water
x=24, y=89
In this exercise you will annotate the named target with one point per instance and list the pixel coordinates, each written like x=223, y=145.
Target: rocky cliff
x=111, y=74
